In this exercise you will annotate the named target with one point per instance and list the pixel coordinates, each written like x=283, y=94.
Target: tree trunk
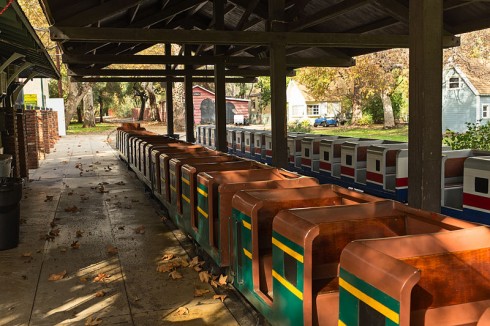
x=154, y=114
x=79, y=114
x=178, y=92
x=101, y=109
x=88, y=109
x=76, y=93
x=142, y=96
x=356, y=105
x=389, y=119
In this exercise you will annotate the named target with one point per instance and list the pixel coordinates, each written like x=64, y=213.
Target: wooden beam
x=278, y=86
x=130, y=35
x=169, y=95
x=246, y=14
x=164, y=79
x=425, y=132
x=97, y=13
x=189, y=101
x=202, y=60
x=162, y=72
x=326, y=14
x=219, y=81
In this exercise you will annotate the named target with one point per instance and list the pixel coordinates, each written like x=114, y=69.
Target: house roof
x=228, y=98
x=478, y=73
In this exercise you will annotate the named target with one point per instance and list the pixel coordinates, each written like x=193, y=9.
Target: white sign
x=58, y=105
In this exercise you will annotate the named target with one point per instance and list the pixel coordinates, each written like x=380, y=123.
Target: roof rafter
x=164, y=72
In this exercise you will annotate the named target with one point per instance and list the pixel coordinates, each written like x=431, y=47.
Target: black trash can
x=10, y=196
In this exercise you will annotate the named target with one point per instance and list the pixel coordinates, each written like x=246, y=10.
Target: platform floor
x=64, y=195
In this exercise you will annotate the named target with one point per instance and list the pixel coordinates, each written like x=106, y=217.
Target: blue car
x=326, y=122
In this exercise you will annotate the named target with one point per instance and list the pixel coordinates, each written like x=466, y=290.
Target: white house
x=465, y=97
x=303, y=106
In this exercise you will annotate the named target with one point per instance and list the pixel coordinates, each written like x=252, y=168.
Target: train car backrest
x=476, y=178
x=239, y=139
x=453, y=165
x=408, y=269
x=330, y=149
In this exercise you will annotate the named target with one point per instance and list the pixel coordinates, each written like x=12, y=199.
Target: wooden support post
x=278, y=87
x=189, y=101
x=425, y=131
x=219, y=81
x=170, y=98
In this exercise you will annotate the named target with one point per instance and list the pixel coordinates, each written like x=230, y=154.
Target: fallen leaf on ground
x=53, y=224
x=204, y=276
x=214, y=283
x=46, y=237
x=184, y=262
x=140, y=229
x=222, y=297
x=164, y=268
x=128, y=206
x=101, y=277
x=63, y=249
x=200, y=292
x=91, y=321
x=83, y=279
x=72, y=209
x=101, y=189
x=26, y=254
x=99, y=294
x=121, y=228
x=79, y=234
x=175, y=275
x=167, y=257
x=57, y=277
x=75, y=245
x=182, y=311
x=48, y=198
x=55, y=232
x=111, y=250
x=197, y=268
x=223, y=279
x=70, y=193
x=121, y=183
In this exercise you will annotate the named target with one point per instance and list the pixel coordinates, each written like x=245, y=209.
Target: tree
x=88, y=109
x=151, y=94
x=76, y=92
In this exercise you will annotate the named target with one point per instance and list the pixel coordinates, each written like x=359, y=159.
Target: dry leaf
x=200, y=292
x=72, y=209
x=120, y=183
x=54, y=232
x=52, y=224
x=57, y=277
x=183, y=262
x=101, y=277
x=222, y=279
x=63, y=249
x=83, y=279
x=111, y=250
x=91, y=321
x=26, y=255
x=167, y=257
x=214, y=283
x=222, y=297
x=79, y=234
x=197, y=268
x=204, y=276
x=194, y=262
x=140, y=229
x=165, y=268
x=175, y=275
x=99, y=294
x=75, y=245
x=48, y=198
x=182, y=311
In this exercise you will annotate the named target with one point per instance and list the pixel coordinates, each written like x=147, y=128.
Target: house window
x=454, y=83
x=484, y=112
x=313, y=109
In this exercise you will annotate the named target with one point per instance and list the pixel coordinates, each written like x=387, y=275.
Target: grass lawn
x=76, y=128
x=374, y=131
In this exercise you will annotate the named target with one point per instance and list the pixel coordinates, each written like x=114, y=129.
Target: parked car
x=326, y=122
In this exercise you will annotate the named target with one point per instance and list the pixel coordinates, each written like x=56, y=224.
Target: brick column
x=40, y=134
x=33, y=150
x=22, y=141
x=46, y=135
x=11, y=144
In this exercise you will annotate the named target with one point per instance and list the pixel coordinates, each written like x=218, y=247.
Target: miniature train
x=281, y=235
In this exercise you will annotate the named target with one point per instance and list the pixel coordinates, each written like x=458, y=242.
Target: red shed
x=204, y=106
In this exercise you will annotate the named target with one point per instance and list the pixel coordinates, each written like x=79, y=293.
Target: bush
x=374, y=106
x=366, y=120
x=299, y=126
x=476, y=137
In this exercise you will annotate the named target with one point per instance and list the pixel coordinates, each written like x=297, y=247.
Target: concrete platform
x=64, y=194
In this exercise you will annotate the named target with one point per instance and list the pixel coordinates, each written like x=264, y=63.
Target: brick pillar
x=40, y=134
x=53, y=132
x=11, y=144
x=33, y=150
x=22, y=141
x=46, y=135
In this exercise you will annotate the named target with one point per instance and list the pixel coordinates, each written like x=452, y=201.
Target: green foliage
x=76, y=128
x=373, y=106
x=53, y=88
x=399, y=133
x=367, y=119
x=264, y=84
x=399, y=103
x=299, y=126
x=476, y=137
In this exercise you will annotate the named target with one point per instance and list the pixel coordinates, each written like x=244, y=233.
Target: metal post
x=219, y=81
x=170, y=98
x=189, y=102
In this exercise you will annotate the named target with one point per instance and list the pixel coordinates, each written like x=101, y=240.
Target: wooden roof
x=97, y=33
x=18, y=37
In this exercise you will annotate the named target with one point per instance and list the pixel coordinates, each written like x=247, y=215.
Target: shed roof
x=96, y=34
x=478, y=73
x=18, y=36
